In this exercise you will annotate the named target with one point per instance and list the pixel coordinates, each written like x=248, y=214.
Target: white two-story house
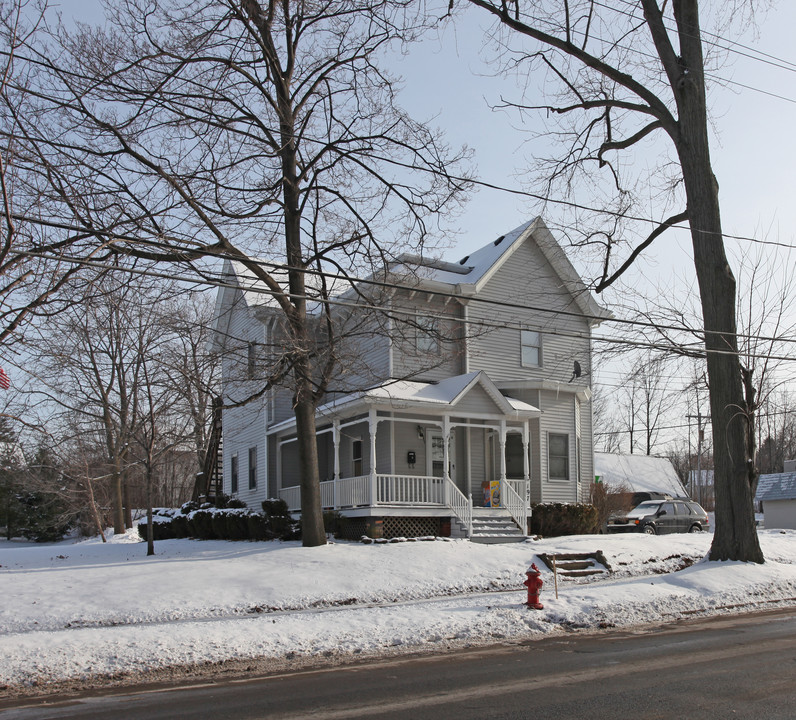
x=477, y=405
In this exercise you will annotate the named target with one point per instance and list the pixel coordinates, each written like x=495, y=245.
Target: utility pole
x=697, y=484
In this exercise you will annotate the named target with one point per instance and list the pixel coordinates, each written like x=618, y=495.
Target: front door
x=435, y=455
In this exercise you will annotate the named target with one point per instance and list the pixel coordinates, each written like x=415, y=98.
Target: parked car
x=658, y=517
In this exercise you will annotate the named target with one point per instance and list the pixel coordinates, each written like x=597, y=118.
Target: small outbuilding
x=777, y=494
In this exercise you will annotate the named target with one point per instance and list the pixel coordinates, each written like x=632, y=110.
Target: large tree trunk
x=735, y=536
x=312, y=530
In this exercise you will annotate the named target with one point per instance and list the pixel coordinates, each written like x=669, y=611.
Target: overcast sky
x=753, y=147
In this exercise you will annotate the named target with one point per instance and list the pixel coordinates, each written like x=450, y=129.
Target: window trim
x=537, y=346
x=253, y=468
x=550, y=477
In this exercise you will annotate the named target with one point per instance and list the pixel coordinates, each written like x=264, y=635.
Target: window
x=356, y=458
x=427, y=338
x=531, y=348
x=558, y=455
x=233, y=475
x=253, y=468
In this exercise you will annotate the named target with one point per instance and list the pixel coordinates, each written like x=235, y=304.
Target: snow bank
x=84, y=609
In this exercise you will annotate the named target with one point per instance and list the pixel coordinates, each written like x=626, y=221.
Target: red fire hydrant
x=534, y=584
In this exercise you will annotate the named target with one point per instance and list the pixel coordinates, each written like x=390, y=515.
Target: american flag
x=5, y=382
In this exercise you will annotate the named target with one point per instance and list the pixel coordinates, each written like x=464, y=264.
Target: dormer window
x=531, y=348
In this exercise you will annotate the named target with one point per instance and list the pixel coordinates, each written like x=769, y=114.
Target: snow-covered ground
x=84, y=610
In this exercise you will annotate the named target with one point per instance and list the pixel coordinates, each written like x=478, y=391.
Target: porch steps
x=577, y=564
x=494, y=525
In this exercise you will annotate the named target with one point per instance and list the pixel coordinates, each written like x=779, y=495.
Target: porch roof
x=404, y=394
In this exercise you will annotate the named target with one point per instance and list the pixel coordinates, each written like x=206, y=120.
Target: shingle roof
x=777, y=486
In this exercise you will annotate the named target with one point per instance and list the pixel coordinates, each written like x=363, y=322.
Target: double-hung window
x=531, y=348
x=558, y=456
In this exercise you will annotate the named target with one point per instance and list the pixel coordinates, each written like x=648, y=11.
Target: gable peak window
x=531, y=348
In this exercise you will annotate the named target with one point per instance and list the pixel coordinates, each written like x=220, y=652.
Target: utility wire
x=222, y=281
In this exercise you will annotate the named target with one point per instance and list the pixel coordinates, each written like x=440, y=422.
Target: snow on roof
x=471, y=268
x=413, y=393
x=640, y=473
x=256, y=292
x=776, y=486
x=474, y=269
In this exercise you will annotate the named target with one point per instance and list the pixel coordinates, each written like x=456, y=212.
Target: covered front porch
x=420, y=450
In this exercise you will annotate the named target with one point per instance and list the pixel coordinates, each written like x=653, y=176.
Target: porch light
x=420, y=433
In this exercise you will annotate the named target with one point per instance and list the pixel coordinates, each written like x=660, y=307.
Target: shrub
x=331, y=522
x=237, y=524
x=189, y=507
x=257, y=527
x=608, y=499
x=552, y=519
x=201, y=524
x=219, y=524
x=275, y=507
x=179, y=526
x=40, y=517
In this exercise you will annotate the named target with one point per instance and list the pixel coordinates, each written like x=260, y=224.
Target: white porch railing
x=410, y=490
x=415, y=490
x=461, y=505
x=516, y=504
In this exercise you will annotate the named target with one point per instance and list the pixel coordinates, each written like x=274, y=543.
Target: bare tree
x=630, y=74
x=247, y=129
x=90, y=361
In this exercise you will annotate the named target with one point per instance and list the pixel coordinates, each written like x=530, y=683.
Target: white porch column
x=502, y=440
x=372, y=427
x=526, y=463
x=336, y=444
x=446, y=435
x=446, y=439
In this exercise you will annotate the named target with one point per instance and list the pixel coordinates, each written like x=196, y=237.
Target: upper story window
x=427, y=338
x=558, y=456
x=531, y=348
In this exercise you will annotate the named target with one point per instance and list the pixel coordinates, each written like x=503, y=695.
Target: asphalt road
x=732, y=667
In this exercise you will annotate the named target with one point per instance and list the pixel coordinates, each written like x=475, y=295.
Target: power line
x=209, y=280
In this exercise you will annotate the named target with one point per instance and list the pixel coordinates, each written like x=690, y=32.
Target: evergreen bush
x=554, y=519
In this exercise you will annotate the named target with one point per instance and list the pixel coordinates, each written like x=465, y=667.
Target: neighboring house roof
x=776, y=486
x=640, y=473
x=404, y=394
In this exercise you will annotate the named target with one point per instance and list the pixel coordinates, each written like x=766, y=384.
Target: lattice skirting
x=411, y=526
x=352, y=528
x=391, y=527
